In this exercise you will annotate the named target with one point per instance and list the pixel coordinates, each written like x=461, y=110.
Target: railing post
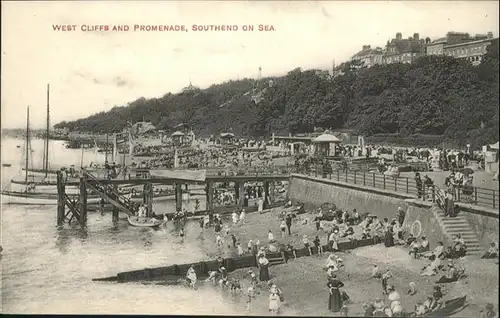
x=354, y=176
x=407, y=186
x=458, y=194
x=383, y=176
x=475, y=194
x=395, y=184
x=433, y=193
x=373, y=175
x=338, y=175
x=364, y=177
x=346, y=175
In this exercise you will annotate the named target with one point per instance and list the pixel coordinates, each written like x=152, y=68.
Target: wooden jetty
x=174, y=272
x=107, y=190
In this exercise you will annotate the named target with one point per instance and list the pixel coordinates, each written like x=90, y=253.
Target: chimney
x=490, y=35
x=416, y=37
x=366, y=47
x=399, y=36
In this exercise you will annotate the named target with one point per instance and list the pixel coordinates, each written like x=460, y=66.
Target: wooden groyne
x=174, y=272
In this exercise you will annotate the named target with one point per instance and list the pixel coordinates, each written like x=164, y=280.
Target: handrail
x=472, y=195
x=109, y=189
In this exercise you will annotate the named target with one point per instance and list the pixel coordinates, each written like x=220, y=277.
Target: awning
x=178, y=133
x=188, y=175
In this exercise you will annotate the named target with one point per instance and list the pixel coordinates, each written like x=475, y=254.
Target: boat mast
x=46, y=155
x=27, y=145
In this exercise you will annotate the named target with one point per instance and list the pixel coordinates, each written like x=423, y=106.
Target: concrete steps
x=459, y=225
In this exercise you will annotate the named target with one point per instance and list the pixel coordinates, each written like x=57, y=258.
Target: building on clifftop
x=190, y=88
x=462, y=46
x=399, y=50
x=369, y=56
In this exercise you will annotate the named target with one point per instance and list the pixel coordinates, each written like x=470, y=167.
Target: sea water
x=49, y=270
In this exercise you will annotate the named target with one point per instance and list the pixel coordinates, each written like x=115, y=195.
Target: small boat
x=143, y=222
x=449, y=308
x=6, y=165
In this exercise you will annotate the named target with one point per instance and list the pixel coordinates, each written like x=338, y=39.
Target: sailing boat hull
x=22, y=198
x=47, y=184
x=40, y=173
x=18, y=198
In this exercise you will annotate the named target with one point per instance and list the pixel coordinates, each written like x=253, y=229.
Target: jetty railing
x=470, y=195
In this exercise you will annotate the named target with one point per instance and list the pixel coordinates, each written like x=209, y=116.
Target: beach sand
x=303, y=281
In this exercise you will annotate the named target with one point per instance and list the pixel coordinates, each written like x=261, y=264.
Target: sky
x=93, y=71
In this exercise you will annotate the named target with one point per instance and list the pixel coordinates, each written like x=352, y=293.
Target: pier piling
x=178, y=196
x=83, y=201
x=210, y=196
x=241, y=194
x=61, y=200
x=148, y=198
x=115, y=214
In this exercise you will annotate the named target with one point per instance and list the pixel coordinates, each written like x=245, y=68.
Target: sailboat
x=27, y=195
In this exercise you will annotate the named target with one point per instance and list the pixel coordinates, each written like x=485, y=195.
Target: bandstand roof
x=226, y=135
x=178, y=133
x=494, y=146
x=327, y=138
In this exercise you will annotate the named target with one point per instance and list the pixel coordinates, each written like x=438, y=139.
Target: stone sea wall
x=314, y=192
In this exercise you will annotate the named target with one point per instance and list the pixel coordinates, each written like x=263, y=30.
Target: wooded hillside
x=435, y=95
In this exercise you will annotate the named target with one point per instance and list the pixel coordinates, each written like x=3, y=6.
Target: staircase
x=458, y=225
x=109, y=193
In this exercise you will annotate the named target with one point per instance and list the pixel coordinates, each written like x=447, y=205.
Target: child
x=305, y=240
x=290, y=250
x=212, y=277
x=234, y=240
x=283, y=228
x=235, y=286
x=317, y=244
x=253, y=279
x=375, y=272
x=240, y=249
x=219, y=241
x=250, y=295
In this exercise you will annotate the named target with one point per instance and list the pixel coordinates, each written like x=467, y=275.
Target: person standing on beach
x=235, y=218
x=283, y=228
x=335, y=297
x=191, y=277
x=401, y=216
x=264, y=269
x=260, y=205
x=242, y=216
x=288, y=221
x=385, y=279
x=274, y=303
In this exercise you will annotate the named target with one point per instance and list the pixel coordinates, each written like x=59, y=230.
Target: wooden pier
x=107, y=190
